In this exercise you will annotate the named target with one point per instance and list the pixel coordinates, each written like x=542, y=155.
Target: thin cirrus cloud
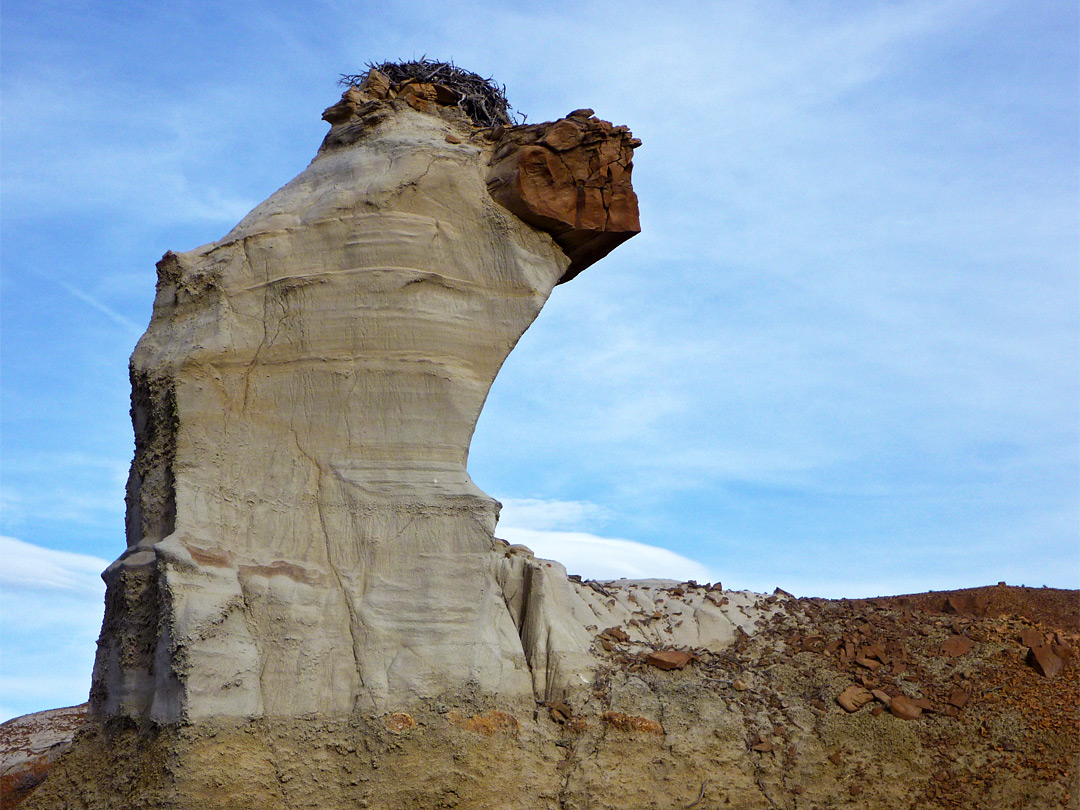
x=29, y=567
x=595, y=557
x=52, y=605
x=551, y=529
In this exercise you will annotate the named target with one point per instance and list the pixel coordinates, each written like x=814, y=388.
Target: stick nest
x=483, y=100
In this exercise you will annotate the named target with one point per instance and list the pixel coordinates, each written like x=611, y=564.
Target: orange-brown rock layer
x=570, y=178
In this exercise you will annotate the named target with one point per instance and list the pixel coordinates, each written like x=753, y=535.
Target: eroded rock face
x=303, y=536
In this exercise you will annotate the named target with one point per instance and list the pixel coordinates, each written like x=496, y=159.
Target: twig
x=700, y=796
x=481, y=99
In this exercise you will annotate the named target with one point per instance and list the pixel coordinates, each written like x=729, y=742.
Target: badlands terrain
x=313, y=608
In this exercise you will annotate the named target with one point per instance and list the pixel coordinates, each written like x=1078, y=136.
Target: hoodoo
x=303, y=536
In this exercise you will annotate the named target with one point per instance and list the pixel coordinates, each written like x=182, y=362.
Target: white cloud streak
x=31, y=567
x=540, y=513
x=552, y=529
x=51, y=606
x=603, y=558
x=126, y=323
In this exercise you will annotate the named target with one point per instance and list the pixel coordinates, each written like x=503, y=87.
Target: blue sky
x=841, y=358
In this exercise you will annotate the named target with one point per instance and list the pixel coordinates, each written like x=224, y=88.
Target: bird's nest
x=481, y=99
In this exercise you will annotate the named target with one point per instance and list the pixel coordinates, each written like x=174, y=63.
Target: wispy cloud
x=126, y=323
x=597, y=557
x=553, y=530
x=540, y=513
x=51, y=606
x=31, y=567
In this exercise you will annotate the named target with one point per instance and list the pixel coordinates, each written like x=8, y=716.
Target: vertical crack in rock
x=354, y=620
x=263, y=321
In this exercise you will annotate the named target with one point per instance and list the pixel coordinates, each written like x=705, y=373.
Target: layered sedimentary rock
x=30, y=745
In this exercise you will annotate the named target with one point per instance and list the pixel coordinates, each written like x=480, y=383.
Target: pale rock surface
x=303, y=401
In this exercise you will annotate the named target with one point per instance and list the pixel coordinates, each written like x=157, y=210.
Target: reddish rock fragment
x=970, y=604
x=959, y=698
x=1062, y=651
x=883, y=696
x=625, y=722
x=1043, y=661
x=874, y=651
x=904, y=708
x=489, y=724
x=955, y=646
x=616, y=633
x=923, y=704
x=668, y=659
x=854, y=698
x=1030, y=637
x=869, y=663
x=398, y=722
x=560, y=712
